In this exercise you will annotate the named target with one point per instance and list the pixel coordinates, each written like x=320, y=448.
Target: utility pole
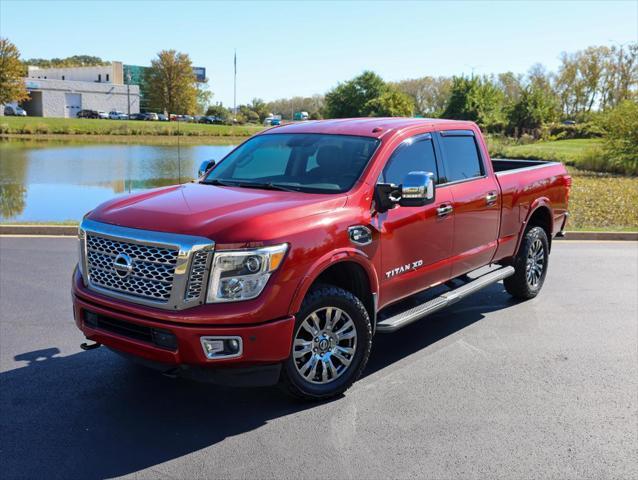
x=235, y=88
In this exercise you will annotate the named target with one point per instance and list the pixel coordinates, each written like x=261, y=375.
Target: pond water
x=44, y=181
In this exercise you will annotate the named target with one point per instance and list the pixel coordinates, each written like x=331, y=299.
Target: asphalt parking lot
x=490, y=388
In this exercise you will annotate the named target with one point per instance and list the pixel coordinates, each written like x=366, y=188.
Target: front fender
x=348, y=254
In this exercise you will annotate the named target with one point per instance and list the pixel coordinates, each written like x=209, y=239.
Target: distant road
x=488, y=389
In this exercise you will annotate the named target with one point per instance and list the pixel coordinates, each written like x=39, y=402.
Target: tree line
x=586, y=82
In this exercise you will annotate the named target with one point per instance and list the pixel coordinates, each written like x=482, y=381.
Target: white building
x=63, y=92
x=65, y=98
x=99, y=74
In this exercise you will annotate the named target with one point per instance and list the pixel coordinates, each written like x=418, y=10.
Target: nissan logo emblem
x=123, y=265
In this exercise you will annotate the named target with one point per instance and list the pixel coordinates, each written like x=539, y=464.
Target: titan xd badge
x=403, y=268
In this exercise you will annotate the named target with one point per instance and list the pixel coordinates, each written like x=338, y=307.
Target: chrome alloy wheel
x=535, y=263
x=324, y=345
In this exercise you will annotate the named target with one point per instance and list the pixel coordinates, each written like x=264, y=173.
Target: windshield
x=312, y=162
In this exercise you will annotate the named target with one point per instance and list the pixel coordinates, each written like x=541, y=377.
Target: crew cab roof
x=375, y=127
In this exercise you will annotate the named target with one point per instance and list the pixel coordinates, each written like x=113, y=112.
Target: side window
x=461, y=158
x=415, y=157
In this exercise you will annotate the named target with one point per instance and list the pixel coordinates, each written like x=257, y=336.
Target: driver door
x=416, y=242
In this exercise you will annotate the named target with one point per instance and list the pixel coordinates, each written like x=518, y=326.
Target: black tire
x=520, y=285
x=318, y=298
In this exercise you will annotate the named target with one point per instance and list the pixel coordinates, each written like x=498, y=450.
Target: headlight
x=242, y=274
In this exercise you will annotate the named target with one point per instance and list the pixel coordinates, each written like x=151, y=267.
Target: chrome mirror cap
x=417, y=189
x=204, y=167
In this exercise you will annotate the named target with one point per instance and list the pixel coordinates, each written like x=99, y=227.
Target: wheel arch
x=540, y=215
x=350, y=270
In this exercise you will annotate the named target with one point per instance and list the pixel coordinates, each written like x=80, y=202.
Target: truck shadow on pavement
x=95, y=415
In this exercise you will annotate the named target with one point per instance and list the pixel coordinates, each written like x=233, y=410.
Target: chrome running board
x=402, y=319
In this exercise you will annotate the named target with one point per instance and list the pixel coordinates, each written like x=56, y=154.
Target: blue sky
x=302, y=48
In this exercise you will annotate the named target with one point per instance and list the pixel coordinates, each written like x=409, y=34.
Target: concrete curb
x=72, y=230
x=631, y=236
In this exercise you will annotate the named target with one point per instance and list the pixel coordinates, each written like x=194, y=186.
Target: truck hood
x=223, y=214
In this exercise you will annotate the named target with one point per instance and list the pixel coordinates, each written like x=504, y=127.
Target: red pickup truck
x=285, y=258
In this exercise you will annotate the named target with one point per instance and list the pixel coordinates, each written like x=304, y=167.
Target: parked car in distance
x=85, y=113
x=284, y=259
x=102, y=115
x=275, y=122
x=117, y=115
x=152, y=116
x=162, y=117
x=14, y=111
x=211, y=120
x=137, y=116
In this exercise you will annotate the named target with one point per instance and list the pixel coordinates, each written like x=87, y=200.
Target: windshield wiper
x=268, y=186
x=217, y=182
x=265, y=185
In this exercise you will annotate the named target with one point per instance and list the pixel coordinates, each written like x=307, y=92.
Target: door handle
x=491, y=198
x=444, y=210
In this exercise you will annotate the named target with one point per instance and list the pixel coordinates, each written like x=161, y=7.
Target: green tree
x=620, y=144
x=218, y=111
x=391, y=103
x=260, y=108
x=535, y=107
x=429, y=94
x=171, y=83
x=248, y=114
x=352, y=98
x=477, y=99
x=12, y=88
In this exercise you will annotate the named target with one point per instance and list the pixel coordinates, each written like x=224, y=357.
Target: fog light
x=222, y=347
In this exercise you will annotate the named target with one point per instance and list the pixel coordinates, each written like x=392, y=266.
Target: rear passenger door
x=476, y=200
x=415, y=241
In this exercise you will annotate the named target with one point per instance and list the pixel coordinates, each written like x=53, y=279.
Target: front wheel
x=530, y=265
x=331, y=344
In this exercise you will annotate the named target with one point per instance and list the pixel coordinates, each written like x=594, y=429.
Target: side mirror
x=205, y=166
x=417, y=189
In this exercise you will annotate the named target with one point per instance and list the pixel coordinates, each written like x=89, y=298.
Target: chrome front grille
x=152, y=268
x=152, y=271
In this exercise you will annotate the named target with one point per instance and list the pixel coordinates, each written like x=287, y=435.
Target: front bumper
x=131, y=334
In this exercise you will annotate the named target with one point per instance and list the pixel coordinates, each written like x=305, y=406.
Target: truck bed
x=522, y=183
x=501, y=165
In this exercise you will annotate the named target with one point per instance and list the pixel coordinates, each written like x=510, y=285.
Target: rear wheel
x=530, y=265
x=331, y=344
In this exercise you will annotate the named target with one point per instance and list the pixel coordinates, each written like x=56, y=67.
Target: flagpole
x=235, y=87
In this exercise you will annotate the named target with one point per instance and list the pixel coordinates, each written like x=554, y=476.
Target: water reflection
x=59, y=182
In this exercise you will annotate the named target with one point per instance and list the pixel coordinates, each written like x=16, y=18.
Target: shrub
x=558, y=131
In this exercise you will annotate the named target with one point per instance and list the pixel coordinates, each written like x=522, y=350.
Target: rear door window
x=461, y=158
